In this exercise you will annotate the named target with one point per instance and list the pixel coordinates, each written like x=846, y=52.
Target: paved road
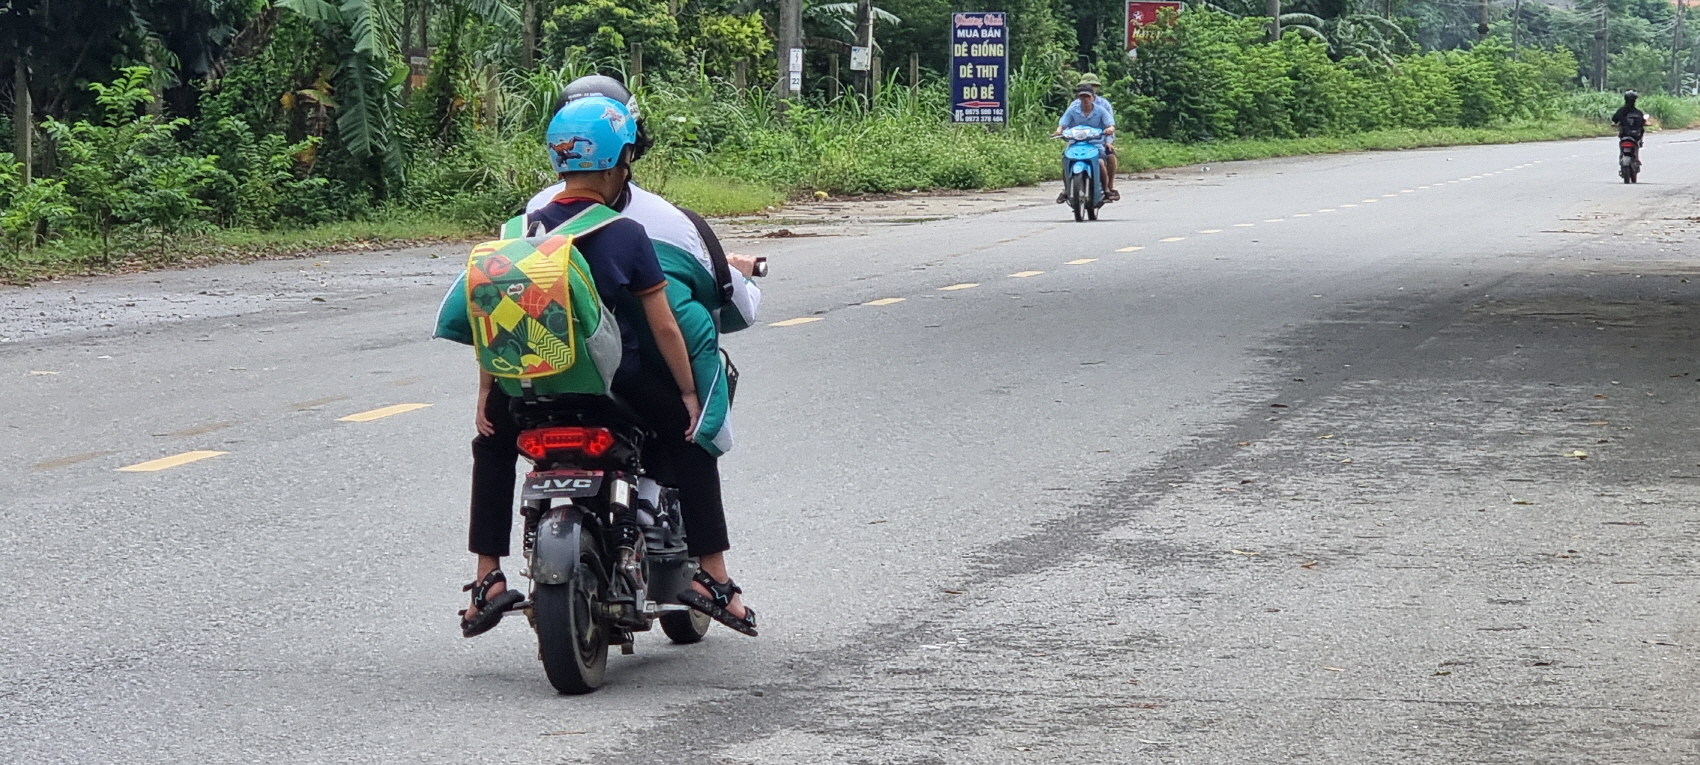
x=1281, y=462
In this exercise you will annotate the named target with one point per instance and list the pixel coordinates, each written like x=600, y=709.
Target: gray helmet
x=598, y=85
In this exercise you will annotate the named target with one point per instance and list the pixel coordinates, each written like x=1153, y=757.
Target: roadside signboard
x=1142, y=12
x=979, y=67
x=860, y=58
x=795, y=81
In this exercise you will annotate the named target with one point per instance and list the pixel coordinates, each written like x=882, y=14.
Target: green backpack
x=538, y=325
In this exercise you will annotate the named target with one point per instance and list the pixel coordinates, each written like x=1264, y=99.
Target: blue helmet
x=589, y=134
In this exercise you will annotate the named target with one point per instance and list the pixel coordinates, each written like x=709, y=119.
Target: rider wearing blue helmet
x=590, y=143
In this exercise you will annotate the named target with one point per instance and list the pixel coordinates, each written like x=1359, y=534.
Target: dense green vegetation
x=161, y=131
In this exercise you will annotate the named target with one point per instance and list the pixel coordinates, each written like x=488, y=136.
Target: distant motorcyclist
x=1100, y=102
x=1085, y=111
x=1630, y=121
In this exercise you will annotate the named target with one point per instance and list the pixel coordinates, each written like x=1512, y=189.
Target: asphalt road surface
x=1356, y=459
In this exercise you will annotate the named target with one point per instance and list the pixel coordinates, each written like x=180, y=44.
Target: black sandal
x=716, y=607
x=1112, y=196
x=489, y=612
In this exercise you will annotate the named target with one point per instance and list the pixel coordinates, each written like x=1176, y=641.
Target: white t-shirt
x=665, y=223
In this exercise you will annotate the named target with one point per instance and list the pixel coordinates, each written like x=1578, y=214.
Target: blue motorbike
x=1083, y=181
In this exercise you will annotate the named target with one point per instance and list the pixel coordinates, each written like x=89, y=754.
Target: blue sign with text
x=979, y=67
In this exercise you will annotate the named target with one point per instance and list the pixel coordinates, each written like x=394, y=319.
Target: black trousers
x=667, y=457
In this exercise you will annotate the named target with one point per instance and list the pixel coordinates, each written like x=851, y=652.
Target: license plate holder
x=562, y=484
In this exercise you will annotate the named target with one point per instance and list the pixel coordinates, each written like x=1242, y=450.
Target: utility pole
x=1599, y=45
x=1675, y=48
x=790, y=37
x=865, y=39
x=23, y=119
x=1274, y=20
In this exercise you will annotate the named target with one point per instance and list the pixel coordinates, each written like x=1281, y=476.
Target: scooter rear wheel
x=572, y=638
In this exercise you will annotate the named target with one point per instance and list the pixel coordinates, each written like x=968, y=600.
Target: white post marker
x=796, y=70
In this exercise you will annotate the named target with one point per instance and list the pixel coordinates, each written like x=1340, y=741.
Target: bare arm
x=485, y=427
x=671, y=343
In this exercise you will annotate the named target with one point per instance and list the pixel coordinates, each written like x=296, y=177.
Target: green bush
x=1206, y=75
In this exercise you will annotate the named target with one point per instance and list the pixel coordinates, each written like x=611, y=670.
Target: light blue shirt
x=1098, y=104
x=1101, y=117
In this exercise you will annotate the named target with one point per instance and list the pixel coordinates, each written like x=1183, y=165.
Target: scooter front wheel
x=1079, y=198
x=685, y=627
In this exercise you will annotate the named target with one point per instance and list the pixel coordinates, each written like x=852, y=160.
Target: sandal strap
x=481, y=588
x=722, y=591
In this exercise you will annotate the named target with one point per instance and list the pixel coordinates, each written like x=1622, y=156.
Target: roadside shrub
x=1206, y=75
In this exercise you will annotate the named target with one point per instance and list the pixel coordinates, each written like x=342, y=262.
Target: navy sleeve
x=635, y=254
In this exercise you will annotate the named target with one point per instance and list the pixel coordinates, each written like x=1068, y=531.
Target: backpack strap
x=588, y=220
x=716, y=254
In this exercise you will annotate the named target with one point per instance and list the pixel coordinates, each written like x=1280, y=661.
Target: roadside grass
x=710, y=195
x=717, y=196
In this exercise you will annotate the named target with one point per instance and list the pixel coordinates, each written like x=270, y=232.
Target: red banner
x=1142, y=12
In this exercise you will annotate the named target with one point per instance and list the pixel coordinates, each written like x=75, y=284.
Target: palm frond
x=315, y=10
x=497, y=13
x=366, y=24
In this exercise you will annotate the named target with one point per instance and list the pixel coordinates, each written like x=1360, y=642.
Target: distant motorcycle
x=1629, y=158
x=1083, y=179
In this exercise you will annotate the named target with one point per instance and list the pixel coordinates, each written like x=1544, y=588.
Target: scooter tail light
x=590, y=442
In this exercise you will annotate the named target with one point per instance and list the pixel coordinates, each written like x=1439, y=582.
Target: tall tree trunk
x=23, y=118
x=1275, y=20
x=528, y=37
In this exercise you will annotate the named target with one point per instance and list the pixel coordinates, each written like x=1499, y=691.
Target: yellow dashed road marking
x=1301, y=215
x=884, y=301
x=1244, y=225
x=1210, y=231
x=962, y=286
x=1172, y=239
x=1422, y=187
x=170, y=462
x=1081, y=262
x=1130, y=249
x=378, y=414
x=1406, y=191
x=795, y=322
x=1348, y=205
x=1024, y=274
x=1369, y=201
x=1384, y=196
x=1326, y=209
x=1273, y=220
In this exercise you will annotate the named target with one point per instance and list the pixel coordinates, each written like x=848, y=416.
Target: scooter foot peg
x=626, y=649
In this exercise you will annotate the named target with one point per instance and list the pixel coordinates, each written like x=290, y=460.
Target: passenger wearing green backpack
x=590, y=142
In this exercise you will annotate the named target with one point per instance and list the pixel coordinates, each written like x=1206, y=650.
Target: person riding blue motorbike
x=1100, y=102
x=591, y=142
x=1085, y=111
